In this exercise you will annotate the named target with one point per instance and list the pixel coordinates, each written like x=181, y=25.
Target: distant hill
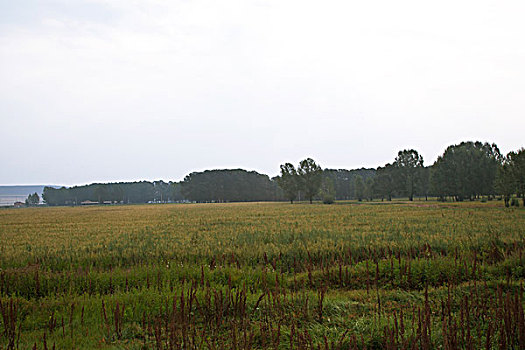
x=11, y=194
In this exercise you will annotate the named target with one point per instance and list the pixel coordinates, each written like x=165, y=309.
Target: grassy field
x=420, y=275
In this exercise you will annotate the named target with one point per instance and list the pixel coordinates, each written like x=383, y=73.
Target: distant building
x=88, y=202
x=19, y=205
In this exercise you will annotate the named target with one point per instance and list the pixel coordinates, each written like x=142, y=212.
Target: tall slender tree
x=517, y=163
x=359, y=188
x=289, y=181
x=327, y=190
x=505, y=183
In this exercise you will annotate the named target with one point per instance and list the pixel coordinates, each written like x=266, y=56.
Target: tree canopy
x=466, y=170
x=510, y=177
x=289, y=181
x=310, y=177
x=226, y=185
x=33, y=199
x=408, y=165
x=122, y=192
x=344, y=180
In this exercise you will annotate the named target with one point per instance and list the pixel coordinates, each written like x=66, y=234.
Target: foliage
x=516, y=161
x=122, y=192
x=408, y=164
x=33, y=199
x=359, y=187
x=466, y=170
x=310, y=177
x=327, y=191
x=344, y=180
x=505, y=183
x=385, y=182
x=369, y=189
x=228, y=186
x=423, y=182
x=289, y=181
x=405, y=177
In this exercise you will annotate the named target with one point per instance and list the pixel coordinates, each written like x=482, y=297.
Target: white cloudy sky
x=103, y=90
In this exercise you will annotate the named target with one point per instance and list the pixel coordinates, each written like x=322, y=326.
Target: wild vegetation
x=401, y=275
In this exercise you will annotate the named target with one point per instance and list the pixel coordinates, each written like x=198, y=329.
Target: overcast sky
x=113, y=90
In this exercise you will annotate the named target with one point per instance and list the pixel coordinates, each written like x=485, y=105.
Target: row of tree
x=235, y=185
x=307, y=179
x=464, y=171
x=208, y=186
x=122, y=192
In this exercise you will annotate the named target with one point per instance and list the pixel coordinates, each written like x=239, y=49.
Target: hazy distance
x=100, y=91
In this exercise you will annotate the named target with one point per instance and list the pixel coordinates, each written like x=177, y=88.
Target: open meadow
x=381, y=275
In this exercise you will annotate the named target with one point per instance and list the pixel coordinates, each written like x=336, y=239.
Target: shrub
x=328, y=199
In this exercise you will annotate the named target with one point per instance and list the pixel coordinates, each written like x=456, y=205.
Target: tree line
x=208, y=186
x=464, y=171
x=467, y=170
x=236, y=185
x=109, y=193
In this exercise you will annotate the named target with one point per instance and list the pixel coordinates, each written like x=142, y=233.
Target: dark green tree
x=369, y=189
x=384, y=183
x=228, y=185
x=310, y=176
x=127, y=192
x=101, y=193
x=328, y=190
x=423, y=182
x=466, y=170
x=32, y=199
x=56, y=196
x=517, y=168
x=289, y=181
x=344, y=180
x=408, y=164
x=359, y=188
x=505, y=183
x=162, y=191
x=176, y=192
